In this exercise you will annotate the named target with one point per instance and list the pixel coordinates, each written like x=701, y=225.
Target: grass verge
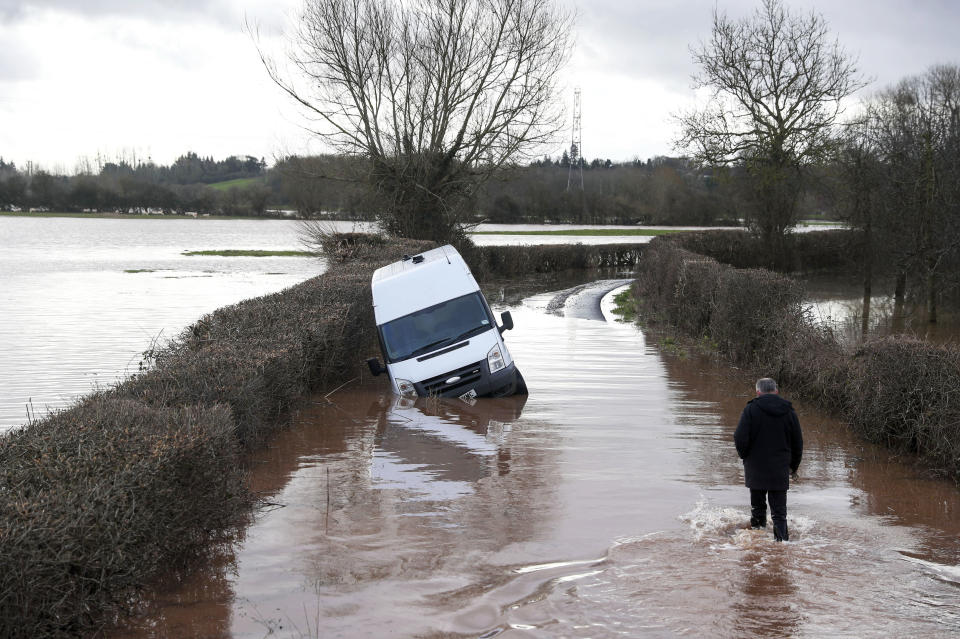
x=250, y=253
x=239, y=183
x=624, y=306
x=589, y=232
x=131, y=216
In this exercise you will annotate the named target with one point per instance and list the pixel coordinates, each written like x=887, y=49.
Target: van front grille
x=468, y=375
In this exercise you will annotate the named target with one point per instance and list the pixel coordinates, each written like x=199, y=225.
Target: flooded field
x=838, y=302
x=607, y=504
x=81, y=300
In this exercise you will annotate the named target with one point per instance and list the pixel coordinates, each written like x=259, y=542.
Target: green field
x=600, y=232
x=122, y=216
x=250, y=253
x=240, y=183
x=129, y=216
x=818, y=222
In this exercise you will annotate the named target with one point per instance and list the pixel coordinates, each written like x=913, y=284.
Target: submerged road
x=607, y=504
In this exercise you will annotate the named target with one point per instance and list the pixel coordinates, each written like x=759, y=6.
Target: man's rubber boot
x=780, y=532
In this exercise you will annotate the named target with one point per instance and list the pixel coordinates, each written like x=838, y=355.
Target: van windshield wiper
x=468, y=333
x=429, y=347
x=447, y=340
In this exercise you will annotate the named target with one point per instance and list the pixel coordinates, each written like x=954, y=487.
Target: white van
x=437, y=333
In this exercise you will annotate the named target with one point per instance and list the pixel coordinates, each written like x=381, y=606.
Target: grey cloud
x=18, y=60
x=649, y=39
x=221, y=11
x=18, y=66
x=269, y=16
x=652, y=38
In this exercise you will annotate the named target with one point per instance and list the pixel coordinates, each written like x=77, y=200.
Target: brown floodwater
x=837, y=301
x=608, y=503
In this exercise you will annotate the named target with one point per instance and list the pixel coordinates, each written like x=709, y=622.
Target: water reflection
x=439, y=449
x=767, y=606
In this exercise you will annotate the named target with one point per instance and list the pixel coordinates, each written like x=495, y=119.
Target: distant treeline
x=126, y=187
x=661, y=190
x=655, y=191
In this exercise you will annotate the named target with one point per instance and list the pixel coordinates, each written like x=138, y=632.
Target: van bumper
x=499, y=384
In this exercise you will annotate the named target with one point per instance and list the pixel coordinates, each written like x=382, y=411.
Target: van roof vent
x=417, y=259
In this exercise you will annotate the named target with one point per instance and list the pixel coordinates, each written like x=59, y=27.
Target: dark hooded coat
x=769, y=441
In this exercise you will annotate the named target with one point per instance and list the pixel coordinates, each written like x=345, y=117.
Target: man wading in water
x=770, y=443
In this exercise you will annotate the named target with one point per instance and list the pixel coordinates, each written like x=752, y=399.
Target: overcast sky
x=157, y=78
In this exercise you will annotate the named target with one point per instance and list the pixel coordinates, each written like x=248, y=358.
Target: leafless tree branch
x=436, y=94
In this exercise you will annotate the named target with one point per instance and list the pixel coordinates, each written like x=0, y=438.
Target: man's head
x=766, y=386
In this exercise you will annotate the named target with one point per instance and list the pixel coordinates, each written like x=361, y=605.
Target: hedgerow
x=898, y=391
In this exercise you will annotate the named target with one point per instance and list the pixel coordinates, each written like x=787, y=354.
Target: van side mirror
x=375, y=366
x=507, y=320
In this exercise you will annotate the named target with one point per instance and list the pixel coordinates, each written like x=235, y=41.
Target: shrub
x=757, y=313
x=514, y=261
x=814, y=365
x=97, y=498
x=905, y=393
x=814, y=250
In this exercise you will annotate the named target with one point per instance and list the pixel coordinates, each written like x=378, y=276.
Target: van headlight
x=495, y=359
x=406, y=388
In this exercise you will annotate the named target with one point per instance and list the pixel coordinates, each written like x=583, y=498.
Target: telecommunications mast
x=576, y=140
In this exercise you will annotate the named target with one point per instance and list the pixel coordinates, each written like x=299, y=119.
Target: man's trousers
x=778, y=511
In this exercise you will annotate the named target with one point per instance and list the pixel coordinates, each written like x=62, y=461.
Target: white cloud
x=167, y=76
x=121, y=82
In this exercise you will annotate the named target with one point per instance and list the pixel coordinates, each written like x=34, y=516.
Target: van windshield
x=435, y=327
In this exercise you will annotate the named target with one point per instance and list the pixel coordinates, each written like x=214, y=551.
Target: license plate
x=469, y=396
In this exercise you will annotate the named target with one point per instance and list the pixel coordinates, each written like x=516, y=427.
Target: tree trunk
x=932, y=297
x=898, y=300
x=867, y=280
x=867, y=285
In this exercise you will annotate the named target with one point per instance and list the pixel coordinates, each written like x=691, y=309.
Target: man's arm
x=741, y=437
x=796, y=442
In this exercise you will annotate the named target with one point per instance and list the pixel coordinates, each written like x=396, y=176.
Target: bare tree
x=915, y=128
x=436, y=94
x=863, y=202
x=777, y=84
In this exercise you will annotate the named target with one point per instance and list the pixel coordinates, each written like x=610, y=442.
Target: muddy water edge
x=607, y=504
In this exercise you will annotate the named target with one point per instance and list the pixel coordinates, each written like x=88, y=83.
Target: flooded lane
x=607, y=504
